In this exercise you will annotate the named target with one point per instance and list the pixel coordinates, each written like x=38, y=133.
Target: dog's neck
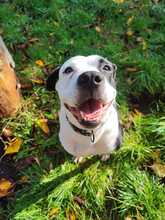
x=82, y=131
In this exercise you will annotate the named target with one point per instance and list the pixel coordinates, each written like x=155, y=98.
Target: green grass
x=125, y=186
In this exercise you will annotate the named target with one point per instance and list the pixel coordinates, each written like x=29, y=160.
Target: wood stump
x=9, y=87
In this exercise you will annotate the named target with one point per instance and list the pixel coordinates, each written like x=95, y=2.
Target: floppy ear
x=114, y=71
x=113, y=76
x=52, y=79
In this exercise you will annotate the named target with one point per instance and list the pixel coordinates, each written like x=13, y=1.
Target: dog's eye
x=68, y=70
x=107, y=68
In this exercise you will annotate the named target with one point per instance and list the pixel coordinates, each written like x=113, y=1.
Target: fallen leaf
x=40, y=63
x=24, y=179
x=25, y=85
x=13, y=146
x=156, y=155
x=25, y=162
x=129, y=32
x=98, y=29
x=159, y=169
x=132, y=69
x=33, y=39
x=70, y=215
x=53, y=212
x=130, y=19
x=79, y=200
x=139, y=216
x=128, y=218
x=119, y=1
x=144, y=45
x=7, y=132
x=43, y=124
x=38, y=81
x=5, y=187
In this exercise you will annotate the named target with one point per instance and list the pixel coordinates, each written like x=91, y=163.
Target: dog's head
x=86, y=88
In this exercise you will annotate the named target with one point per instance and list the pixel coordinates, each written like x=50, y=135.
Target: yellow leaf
x=13, y=146
x=24, y=179
x=159, y=169
x=144, y=45
x=38, y=81
x=5, y=187
x=130, y=19
x=128, y=218
x=98, y=29
x=139, y=216
x=70, y=215
x=42, y=123
x=119, y=1
x=53, y=212
x=40, y=63
x=129, y=32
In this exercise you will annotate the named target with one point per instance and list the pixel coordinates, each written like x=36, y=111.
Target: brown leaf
x=139, y=216
x=131, y=69
x=6, y=187
x=13, y=146
x=25, y=162
x=98, y=29
x=25, y=85
x=79, y=200
x=24, y=179
x=7, y=132
x=43, y=124
x=159, y=169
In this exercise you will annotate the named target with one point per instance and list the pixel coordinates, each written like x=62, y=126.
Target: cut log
x=9, y=86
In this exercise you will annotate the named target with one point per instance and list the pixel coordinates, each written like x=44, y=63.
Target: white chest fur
x=80, y=145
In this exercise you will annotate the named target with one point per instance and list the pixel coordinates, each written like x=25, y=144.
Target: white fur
x=105, y=134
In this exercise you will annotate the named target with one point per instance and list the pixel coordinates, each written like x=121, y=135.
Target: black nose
x=90, y=80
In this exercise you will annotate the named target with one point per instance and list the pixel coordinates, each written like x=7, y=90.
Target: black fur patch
x=52, y=79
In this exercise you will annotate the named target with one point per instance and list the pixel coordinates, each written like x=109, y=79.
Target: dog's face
x=86, y=88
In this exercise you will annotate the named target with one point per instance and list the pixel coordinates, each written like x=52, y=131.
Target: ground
x=46, y=184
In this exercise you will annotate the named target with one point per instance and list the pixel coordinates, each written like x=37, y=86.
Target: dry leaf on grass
x=159, y=169
x=53, y=212
x=43, y=124
x=40, y=63
x=5, y=187
x=13, y=146
x=39, y=81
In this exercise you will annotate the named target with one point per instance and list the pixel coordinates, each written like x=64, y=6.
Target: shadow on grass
x=40, y=191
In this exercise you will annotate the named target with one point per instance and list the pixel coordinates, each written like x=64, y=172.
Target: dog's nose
x=90, y=79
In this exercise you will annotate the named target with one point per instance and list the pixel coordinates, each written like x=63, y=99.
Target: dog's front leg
x=77, y=159
x=105, y=157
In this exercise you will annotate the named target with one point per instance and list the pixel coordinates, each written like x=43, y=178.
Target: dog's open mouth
x=91, y=110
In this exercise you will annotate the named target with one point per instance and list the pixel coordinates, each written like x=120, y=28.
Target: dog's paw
x=77, y=159
x=105, y=157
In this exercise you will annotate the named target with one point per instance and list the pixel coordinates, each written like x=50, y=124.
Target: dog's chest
x=80, y=145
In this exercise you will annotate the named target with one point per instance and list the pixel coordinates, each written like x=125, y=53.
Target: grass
x=131, y=34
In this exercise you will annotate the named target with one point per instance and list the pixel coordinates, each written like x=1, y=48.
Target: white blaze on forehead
x=82, y=63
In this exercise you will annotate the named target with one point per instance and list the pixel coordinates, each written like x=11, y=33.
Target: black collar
x=82, y=131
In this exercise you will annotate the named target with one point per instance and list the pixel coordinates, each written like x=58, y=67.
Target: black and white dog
x=89, y=123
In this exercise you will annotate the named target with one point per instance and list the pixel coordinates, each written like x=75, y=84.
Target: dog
x=89, y=123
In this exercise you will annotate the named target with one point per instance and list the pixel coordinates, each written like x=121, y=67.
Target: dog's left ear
x=113, y=76
x=114, y=71
x=52, y=79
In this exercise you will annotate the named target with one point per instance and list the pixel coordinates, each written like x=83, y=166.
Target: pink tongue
x=90, y=106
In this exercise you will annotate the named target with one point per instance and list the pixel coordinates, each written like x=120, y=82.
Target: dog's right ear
x=52, y=79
